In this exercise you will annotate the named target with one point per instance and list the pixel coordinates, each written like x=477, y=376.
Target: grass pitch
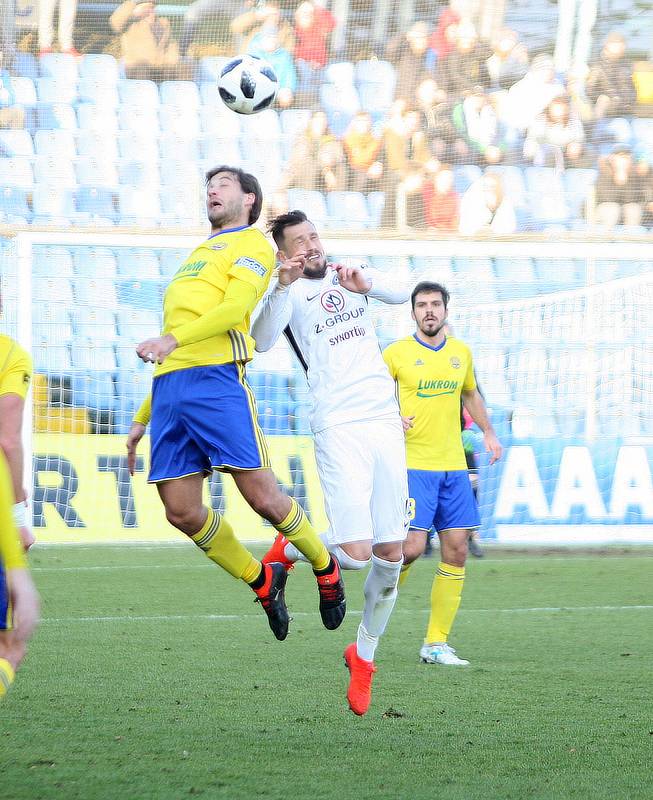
x=153, y=675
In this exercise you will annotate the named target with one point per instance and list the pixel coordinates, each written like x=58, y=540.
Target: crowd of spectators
x=458, y=100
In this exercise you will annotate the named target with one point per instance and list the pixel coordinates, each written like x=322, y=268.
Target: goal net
x=563, y=351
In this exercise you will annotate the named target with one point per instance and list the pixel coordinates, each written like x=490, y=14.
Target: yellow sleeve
x=144, y=413
x=387, y=357
x=469, y=384
x=255, y=268
x=16, y=377
x=239, y=300
x=11, y=551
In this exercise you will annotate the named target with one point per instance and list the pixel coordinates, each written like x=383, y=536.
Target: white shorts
x=362, y=470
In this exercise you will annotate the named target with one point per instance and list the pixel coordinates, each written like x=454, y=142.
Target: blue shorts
x=5, y=618
x=442, y=500
x=204, y=418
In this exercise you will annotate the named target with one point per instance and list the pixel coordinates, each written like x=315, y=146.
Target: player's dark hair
x=248, y=183
x=277, y=225
x=429, y=287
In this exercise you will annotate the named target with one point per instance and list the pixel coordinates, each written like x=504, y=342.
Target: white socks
x=380, y=596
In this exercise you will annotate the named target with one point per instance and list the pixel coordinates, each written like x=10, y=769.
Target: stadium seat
x=138, y=119
x=340, y=104
x=49, y=169
x=221, y=125
x=515, y=270
x=171, y=260
x=59, y=65
x=183, y=94
x=181, y=205
x=546, y=195
x=15, y=143
x=263, y=126
x=98, y=144
x=210, y=69
x=13, y=202
x=103, y=94
x=220, y=151
x=97, y=172
x=26, y=65
x=98, y=201
x=141, y=294
x=643, y=133
x=54, y=321
x=94, y=323
x=51, y=358
x=375, y=71
x=560, y=273
x=180, y=174
x=96, y=292
x=52, y=201
x=311, y=202
x=57, y=115
x=294, y=121
x=394, y=264
x=474, y=269
x=340, y=73
x=127, y=360
x=464, y=176
x=137, y=324
x=513, y=182
x=433, y=268
x=93, y=388
x=178, y=148
x=55, y=90
x=347, y=210
x=95, y=262
x=58, y=144
x=138, y=262
x=100, y=68
x=141, y=147
x=49, y=260
x=139, y=175
x=53, y=290
x=578, y=185
x=376, y=204
x=179, y=121
x=96, y=118
x=16, y=172
x=138, y=206
x=139, y=93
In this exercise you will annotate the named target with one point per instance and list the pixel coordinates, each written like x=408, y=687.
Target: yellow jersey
x=430, y=381
x=15, y=368
x=11, y=550
x=199, y=286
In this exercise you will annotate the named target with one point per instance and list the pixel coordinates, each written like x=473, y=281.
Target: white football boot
x=441, y=653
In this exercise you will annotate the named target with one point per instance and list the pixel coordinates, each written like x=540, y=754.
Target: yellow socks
x=404, y=573
x=298, y=530
x=445, y=599
x=7, y=676
x=216, y=538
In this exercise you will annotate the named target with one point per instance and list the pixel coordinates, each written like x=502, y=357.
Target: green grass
x=556, y=703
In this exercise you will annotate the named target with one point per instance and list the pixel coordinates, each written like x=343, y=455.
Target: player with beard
x=359, y=446
x=434, y=372
x=203, y=411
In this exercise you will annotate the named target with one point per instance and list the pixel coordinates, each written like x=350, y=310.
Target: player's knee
x=456, y=554
x=186, y=520
x=358, y=553
x=414, y=547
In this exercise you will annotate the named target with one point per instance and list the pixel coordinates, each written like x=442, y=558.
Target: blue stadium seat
x=140, y=147
x=94, y=323
x=180, y=206
x=179, y=148
x=547, y=199
x=52, y=358
x=141, y=294
x=93, y=388
x=340, y=73
x=340, y=104
x=578, y=185
x=132, y=384
x=26, y=65
x=138, y=206
x=171, y=260
x=210, y=69
x=222, y=125
x=464, y=176
x=515, y=270
x=53, y=321
x=179, y=121
x=143, y=93
x=52, y=201
x=97, y=172
x=15, y=143
x=98, y=144
x=139, y=175
x=607, y=270
x=513, y=182
x=103, y=94
x=53, y=290
x=183, y=94
x=127, y=360
x=96, y=118
x=393, y=264
x=55, y=90
x=95, y=262
x=311, y=202
x=96, y=292
x=375, y=98
x=220, y=151
x=50, y=169
x=433, y=268
x=560, y=273
x=265, y=125
x=24, y=90
x=49, y=260
x=474, y=269
x=97, y=201
x=137, y=324
x=376, y=204
x=100, y=68
x=138, y=119
x=13, y=202
x=55, y=220
x=138, y=263
x=348, y=210
x=294, y=121
x=180, y=174
x=62, y=66
x=16, y=172
x=643, y=133
x=57, y=144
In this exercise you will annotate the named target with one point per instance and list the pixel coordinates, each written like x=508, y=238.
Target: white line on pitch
x=221, y=617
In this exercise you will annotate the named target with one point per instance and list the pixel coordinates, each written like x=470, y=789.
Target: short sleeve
x=388, y=354
x=18, y=373
x=469, y=384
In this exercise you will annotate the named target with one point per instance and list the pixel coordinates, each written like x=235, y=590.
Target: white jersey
x=332, y=333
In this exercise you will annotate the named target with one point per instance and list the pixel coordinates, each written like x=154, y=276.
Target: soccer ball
x=247, y=84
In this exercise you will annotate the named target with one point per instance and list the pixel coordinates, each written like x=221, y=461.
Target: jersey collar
x=228, y=230
x=429, y=346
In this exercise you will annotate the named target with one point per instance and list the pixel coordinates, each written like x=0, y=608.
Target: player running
x=433, y=373
x=19, y=601
x=359, y=446
x=203, y=411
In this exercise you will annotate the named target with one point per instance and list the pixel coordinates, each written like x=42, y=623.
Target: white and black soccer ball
x=247, y=84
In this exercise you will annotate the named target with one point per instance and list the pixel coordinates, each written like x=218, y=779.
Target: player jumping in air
x=203, y=412
x=359, y=443
x=433, y=372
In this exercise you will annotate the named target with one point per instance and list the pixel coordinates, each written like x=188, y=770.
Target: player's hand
x=408, y=423
x=352, y=278
x=156, y=350
x=493, y=446
x=24, y=603
x=290, y=269
x=133, y=438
